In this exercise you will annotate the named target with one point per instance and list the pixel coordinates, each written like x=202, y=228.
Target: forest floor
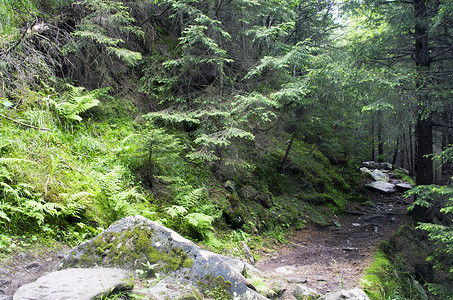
x=323, y=258
x=330, y=258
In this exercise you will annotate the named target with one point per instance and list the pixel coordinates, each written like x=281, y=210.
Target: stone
x=296, y=280
x=365, y=170
x=168, y=288
x=378, y=175
x=303, y=292
x=138, y=243
x=380, y=186
x=354, y=294
x=247, y=252
x=287, y=270
x=249, y=192
x=4, y=282
x=404, y=186
x=384, y=166
x=370, y=164
x=32, y=265
x=76, y=284
x=278, y=288
x=404, y=171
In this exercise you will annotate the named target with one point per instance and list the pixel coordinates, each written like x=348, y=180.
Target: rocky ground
x=323, y=258
x=330, y=258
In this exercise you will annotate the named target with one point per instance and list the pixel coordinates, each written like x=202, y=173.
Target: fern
x=200, y=222
x=176, y=211
x=77, y=101
x=114, y=198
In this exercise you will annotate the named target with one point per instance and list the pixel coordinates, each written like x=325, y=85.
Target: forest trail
x=324, y=259
x=334, y=257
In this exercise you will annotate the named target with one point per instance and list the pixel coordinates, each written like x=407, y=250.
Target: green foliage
x=104, y=26
x=386, y=280
x=193, y=213
x=114, y=198
x=215, y=288
x=438, y=200
x=77, y=101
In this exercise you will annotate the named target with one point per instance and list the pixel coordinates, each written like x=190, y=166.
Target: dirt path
x=327, y=259
x=324, y=259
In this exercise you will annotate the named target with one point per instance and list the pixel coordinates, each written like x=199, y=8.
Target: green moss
x=133, y=250
x=216, y=288
x=385, y=279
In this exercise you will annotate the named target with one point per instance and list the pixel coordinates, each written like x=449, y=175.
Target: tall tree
x=414, y=38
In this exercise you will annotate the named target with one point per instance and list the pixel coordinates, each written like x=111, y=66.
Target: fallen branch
x=27, y=125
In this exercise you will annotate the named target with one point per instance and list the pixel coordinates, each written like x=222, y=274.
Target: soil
x=25, y=267
x=334, y=257
x=323, y=258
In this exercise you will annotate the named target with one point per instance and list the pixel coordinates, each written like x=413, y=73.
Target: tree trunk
x=379, y=137
x=285, y=157
x=373, y=156
x=395, y=153
x=424, y=135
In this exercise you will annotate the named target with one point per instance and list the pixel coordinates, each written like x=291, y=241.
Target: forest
x=224, y=120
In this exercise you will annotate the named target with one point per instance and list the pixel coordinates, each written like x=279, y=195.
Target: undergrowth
x=73, y=161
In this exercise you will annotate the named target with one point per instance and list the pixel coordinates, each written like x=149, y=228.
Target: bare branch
x=23, y=124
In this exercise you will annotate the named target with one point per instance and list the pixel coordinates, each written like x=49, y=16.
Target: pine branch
x=20, y=123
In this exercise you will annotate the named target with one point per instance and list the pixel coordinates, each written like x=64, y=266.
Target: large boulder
x=143, y=246
x=76, y=284
x=380, y=186
x=370, y=164
x=378, y=175
x=354, y=294
x=303, y=292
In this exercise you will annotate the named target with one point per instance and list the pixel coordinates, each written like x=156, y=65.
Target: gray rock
x=287, y=270
x=276, y=289
x=138, y=243
x=77, y=284
x=404, y=171
x=303, y=292
x=4, y=282
x=404, y=186
x=168, y=288
x=365, y=170
x=247, y=252
x=384, y=166
x=354, y=294
x=32, y=265
x=380, y=186
x=379, y=176
x=370, y=164
x=5, y=271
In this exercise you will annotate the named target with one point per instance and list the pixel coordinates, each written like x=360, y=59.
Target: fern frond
x=192, y=198
x=176, y=211
x=77, y=197
x=3, y=215
x=200, y=222
x=14, y=161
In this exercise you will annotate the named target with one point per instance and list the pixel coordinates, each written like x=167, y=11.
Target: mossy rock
x=136, y=243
